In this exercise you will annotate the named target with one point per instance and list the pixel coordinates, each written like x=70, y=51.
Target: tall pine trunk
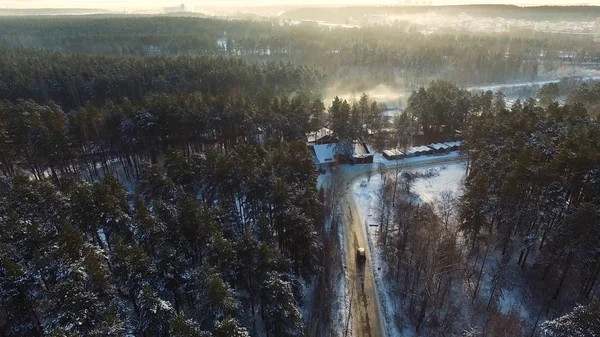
x=480, y=272
x=563, y=277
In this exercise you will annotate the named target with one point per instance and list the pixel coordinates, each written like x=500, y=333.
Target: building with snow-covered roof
x=322, y=136
x=410, y=152
x=438, y=147
x=393, y=154
x=362, y=154
x=445, y=147
x=454, y=145
x=324, y=155
x=415, y=151
x=422, y=150
x=388, y=154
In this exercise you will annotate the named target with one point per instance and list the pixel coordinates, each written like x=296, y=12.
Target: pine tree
x=230, y=327
x=280, y=311
x=17, y=289
x=215, y=300
x=155, y=314
x=182, y=327
x=81, y=298
x=582, y=321
x=130, y=268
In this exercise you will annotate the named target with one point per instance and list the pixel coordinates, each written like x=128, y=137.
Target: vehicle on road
x=361, y=256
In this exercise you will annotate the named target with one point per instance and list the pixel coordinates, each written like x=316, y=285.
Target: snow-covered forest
x=505, y=242
x=354, y=59
x=154, y=213
x=155, y=180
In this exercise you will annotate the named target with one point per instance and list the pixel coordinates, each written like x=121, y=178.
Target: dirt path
x=365, y=314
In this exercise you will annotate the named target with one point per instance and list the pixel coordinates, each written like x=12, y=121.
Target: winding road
x=365, y=309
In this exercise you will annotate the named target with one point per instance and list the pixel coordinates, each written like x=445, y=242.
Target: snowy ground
x=342, y=305
x=444, y=177
x=448, y=177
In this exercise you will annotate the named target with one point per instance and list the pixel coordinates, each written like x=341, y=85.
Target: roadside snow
x=365, y=196
x=342, y=295
x=323, y=180
x=308, y=290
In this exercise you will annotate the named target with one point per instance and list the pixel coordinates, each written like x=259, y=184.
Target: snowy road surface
x=364, y=306
x=366, y=319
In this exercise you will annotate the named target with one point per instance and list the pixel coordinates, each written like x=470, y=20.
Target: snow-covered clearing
x=441, y=178
x=447, y=177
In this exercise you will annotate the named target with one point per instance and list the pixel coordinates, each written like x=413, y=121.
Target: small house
x=322, y=136
x=394, y=154
x=362, y=154
x=323, y=155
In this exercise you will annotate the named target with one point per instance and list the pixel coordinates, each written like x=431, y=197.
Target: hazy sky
x=137, y=4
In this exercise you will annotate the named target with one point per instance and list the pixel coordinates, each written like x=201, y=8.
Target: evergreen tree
x=280, y=311
x=582, y=321
x=155, y=313
x=230, y=328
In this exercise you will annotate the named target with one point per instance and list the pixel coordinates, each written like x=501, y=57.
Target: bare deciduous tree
x=446, y=206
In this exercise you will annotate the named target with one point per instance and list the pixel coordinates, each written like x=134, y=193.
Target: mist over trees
x=155, y=179
x=357, y=59
x=533, y=13
x=72, y=80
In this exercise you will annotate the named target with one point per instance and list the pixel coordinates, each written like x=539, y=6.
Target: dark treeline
x=356, y=57
x=442, y=108
x=528, y=219
x=203, y=250
x=128, y=207
x=45, y=140
x=531, y=197
x=71, y=80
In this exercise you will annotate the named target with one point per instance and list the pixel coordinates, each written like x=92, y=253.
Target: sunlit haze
x=148, y=4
